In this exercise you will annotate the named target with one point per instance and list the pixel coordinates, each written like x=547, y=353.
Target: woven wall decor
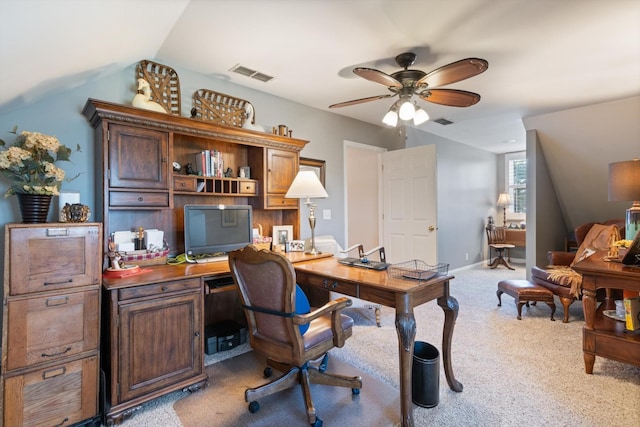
x=218, y=108
x=164, y=82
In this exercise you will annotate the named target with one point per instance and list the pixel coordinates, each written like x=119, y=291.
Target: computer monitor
x=213, y=229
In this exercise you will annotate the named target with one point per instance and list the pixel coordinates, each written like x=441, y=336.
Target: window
x=516, y=184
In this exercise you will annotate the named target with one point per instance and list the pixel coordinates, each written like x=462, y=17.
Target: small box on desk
x=224, y=336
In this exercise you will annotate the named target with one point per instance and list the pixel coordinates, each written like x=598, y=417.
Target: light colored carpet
x=222, y=404
x=514, y=372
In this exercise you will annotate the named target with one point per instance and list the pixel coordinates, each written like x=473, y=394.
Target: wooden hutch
x=137, y=186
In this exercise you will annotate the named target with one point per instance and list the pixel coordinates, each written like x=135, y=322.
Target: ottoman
x=524, y=292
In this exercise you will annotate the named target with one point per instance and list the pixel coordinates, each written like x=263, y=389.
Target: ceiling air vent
x=251, y=73
x=443, y=121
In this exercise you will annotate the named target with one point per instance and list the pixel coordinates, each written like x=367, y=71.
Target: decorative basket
x=153, y=258
x=417, y=270
x=262, y=242
x=164, y=83
x=218, y=108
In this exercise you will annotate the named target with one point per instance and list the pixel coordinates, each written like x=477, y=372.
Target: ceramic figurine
x=250, y=119
x=143, y=100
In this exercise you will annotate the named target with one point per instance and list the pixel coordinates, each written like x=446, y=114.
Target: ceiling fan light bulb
x=420, y=117
x=407, y=111
x=390, y=119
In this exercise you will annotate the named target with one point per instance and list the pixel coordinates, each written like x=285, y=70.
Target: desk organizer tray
x=417, y=270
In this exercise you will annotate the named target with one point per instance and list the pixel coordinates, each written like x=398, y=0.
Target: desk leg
x=450, y=307
x=406, y=328
x=589, y=309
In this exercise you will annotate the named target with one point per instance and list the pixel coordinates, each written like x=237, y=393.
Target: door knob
x=431, y=228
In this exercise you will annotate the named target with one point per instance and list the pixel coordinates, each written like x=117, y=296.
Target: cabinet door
x=53, y=258
x=138, y=158
x=160, y=343
x=282, y=167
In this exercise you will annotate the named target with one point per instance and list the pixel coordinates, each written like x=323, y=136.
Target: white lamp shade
x=390, y=119
x=420, y=117
x=407, y=111
x=306, y=185
x=504, y=199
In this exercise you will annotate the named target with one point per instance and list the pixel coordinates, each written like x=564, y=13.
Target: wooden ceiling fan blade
x=451, y=97
x=377, y=76
x=360, y=101
x=454, y=72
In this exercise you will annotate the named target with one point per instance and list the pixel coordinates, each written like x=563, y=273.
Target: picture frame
x=281, y=235
x=295, y=246
x=317, y=166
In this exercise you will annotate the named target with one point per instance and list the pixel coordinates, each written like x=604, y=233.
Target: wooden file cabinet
x=51, y=315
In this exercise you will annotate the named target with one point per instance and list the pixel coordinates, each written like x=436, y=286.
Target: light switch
x=326, y=214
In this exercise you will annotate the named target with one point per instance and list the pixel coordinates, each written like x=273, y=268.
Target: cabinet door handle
x=197, y=334
x=52, y=373
x=56, y=354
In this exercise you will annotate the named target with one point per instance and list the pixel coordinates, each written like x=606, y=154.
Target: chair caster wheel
x=267, y=372
x=355, y=391
x=254, y=406
x=318, y=423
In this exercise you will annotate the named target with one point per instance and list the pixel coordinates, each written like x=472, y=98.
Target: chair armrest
x=334, y=307
x=560, y=258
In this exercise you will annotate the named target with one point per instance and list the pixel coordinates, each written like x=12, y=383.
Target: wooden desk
x=601, y=335
x=403, y=295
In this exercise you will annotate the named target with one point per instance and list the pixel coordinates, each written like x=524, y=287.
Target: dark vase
x=34, y=207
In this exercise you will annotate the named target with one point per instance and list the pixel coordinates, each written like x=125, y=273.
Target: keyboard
x=208, y=259
x=357, y=262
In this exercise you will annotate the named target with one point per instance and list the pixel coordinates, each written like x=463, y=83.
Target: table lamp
x=306, y=185
x=504, y=200
x=624, y=186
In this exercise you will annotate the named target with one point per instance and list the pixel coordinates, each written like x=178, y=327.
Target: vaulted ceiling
x=544, y=55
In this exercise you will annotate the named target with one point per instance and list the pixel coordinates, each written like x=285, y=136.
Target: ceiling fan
x=406, y=83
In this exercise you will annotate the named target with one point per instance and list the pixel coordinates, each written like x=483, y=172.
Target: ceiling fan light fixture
x=391, y=118
x=420, y=117
x=407, y=110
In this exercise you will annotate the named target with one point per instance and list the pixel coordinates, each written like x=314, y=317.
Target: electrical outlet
x=466, y=256
x=326, y=214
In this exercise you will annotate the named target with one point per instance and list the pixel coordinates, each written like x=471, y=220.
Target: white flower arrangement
x=30, y=164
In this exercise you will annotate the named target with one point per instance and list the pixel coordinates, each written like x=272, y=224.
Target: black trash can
x=425, y=379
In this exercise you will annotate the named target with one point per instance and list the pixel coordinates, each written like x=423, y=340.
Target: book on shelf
x=209, y=163
x=632, y=313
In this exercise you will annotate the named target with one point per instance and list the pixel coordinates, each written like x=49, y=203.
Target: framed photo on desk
x=281, y=235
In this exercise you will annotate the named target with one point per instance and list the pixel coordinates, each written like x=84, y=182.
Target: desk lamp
x=504, y=200
x=624, y=186
x=305, y=186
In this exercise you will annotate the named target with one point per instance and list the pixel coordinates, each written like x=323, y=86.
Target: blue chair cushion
x=302, y=307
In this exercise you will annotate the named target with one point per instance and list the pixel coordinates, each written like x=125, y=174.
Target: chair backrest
x=582, y=230
x=266, y=281
x=496, y=235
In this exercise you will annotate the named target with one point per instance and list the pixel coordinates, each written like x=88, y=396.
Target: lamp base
x=632, y=223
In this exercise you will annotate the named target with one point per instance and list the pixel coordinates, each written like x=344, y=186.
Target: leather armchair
x=541, y=276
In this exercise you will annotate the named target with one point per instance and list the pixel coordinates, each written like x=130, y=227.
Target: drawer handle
x=53, y=302
x=62, y=423
x=164, y=289
x=58, y=283
x=334, y=285
x=140, y=199
x=197, y=334
x=56, y=354
x=325, y=283
x=52, y=373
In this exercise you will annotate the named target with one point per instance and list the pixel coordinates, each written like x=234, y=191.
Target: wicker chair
x=267, y=285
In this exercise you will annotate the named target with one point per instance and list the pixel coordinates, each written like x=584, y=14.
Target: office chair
x=267, y=286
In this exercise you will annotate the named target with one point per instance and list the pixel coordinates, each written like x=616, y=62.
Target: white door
x=409, y=204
